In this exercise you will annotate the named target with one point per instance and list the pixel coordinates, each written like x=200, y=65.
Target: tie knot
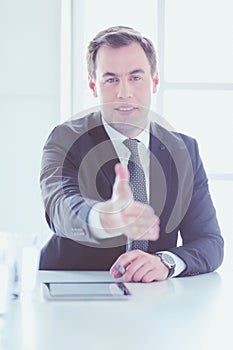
x=132, y=145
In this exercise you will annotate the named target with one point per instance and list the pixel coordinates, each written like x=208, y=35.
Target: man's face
x=124, y=86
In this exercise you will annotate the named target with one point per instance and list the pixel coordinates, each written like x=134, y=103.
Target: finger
x=153, y=275
x=118, y=270
x=142, y=228
x=152, y=234
x=121, y=189
x=137, y=268
x=124, y=260
x=115, y=273
x=146, y=273
x=136, y=220
x=138, y=211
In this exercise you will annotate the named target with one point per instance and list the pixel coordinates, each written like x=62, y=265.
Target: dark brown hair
x=116, y=37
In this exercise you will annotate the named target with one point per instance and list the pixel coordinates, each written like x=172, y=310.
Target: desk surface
x=180, y=313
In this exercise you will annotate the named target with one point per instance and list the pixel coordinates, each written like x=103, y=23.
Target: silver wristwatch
x=169, y=262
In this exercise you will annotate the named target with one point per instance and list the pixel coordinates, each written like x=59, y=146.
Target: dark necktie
x=137, y=182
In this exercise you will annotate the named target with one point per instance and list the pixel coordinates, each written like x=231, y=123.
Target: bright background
x=43, y=81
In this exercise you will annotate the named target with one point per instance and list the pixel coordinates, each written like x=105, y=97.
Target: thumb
x=121, y=187
x=122, y=172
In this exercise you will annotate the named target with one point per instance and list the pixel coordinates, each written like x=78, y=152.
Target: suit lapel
x=104, y=150
x=160, y=175
x=160, y=169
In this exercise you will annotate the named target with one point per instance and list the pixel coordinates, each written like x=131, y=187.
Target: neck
x=128, y=130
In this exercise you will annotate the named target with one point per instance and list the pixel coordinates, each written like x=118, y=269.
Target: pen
x=121, y=269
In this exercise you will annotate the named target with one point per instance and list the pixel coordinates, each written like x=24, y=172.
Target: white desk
x=191, y=313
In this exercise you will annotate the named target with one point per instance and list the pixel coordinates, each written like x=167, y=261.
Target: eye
x=111, y=80
x=135, y=78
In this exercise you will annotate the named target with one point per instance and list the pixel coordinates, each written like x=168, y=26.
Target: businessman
x=118, y=188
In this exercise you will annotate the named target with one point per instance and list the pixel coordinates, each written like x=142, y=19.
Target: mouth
x=126, y=109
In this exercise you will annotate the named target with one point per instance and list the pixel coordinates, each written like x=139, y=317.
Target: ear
x=155, y=82
x=92, y=86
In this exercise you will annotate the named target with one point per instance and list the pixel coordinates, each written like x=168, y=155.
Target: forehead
x=121, y=60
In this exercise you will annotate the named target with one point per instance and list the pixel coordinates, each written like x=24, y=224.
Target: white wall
x=30, y=98
x=29, y=106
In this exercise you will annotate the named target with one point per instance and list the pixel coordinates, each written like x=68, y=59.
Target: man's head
x=123, y=75
x=116, y=37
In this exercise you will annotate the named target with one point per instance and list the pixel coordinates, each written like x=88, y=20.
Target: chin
x=127, y=129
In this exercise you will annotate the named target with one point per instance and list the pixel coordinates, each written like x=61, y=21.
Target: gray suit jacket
x=78, y=170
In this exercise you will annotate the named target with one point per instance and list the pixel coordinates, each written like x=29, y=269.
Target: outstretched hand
x=122, y=214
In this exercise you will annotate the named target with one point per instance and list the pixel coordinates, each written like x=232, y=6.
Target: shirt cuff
x=180, y=264
x=96, y=226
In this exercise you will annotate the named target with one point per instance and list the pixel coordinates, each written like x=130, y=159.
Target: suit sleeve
x=202, y=248
x=66, y=209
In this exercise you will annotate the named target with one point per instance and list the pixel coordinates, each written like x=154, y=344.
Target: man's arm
x=68, y=208
x=202, y=248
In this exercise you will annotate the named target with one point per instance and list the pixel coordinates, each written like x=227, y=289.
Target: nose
x=124, y=89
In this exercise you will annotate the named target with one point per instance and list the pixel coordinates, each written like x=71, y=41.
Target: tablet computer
x=85, y=290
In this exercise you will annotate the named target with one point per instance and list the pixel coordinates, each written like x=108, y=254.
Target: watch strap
x=171, y=265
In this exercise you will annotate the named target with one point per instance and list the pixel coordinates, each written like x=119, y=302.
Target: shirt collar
x=143, y=137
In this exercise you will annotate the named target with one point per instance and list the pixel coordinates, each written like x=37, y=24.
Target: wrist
x=169, y=262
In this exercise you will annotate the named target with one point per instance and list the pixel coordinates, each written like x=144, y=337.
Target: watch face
x=169, y=262
x=168, y=259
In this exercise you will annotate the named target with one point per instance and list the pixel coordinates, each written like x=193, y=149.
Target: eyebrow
x=135, y=71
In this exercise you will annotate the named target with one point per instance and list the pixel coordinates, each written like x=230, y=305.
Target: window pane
x=207, y=116
x=198, y=41
x=101, y=14
x=91, y=16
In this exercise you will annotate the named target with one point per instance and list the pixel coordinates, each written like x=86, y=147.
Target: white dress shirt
x=123, y=154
